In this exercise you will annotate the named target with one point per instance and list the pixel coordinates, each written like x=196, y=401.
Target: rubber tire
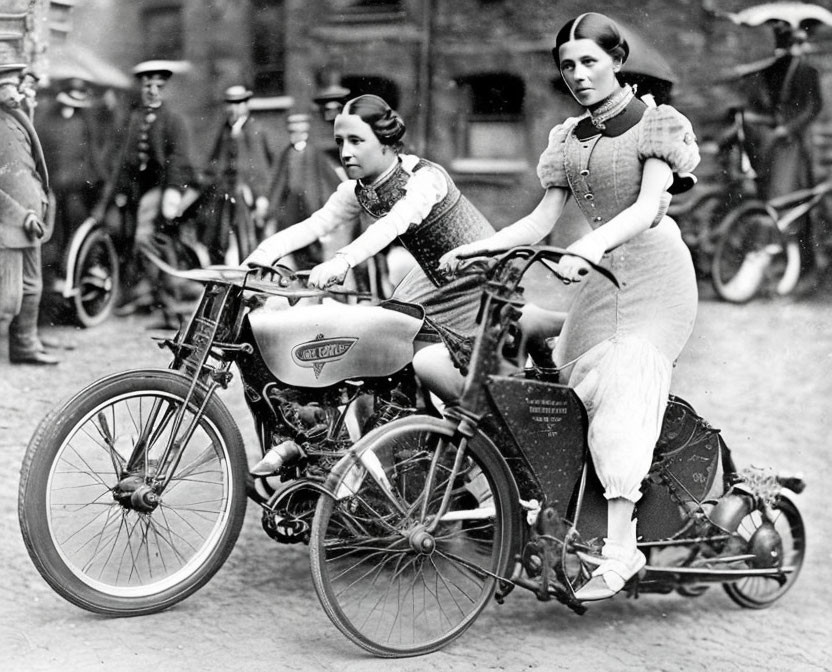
x=97, y=238
x=506, y=500
x=735, y=219
x=735, y=589
x=38, y=463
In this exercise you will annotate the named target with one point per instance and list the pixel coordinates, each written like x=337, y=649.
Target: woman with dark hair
x=619, y=160
x=397, y=195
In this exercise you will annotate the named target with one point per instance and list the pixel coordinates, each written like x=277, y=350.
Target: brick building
x=472, y=78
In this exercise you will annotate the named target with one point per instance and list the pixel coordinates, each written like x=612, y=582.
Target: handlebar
x=257, y=278
x=533, y=254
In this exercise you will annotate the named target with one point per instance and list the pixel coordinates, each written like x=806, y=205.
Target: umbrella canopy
x=75, y=61
x=797, y=14
x=644, y=58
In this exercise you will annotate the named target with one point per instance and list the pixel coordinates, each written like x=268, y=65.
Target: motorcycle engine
x=305, y=421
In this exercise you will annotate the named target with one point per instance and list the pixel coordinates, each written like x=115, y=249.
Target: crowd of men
x=139, y=164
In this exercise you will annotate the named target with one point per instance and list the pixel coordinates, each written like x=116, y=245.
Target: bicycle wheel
x=759, y=592
x=95, y=278
x=752, y=256
x=394, y=578
x=100, y=531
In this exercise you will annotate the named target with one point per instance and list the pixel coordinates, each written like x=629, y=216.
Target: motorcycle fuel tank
x=320, y=345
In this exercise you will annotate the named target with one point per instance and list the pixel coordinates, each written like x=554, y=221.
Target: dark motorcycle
x=133, y=492
x=426, y=518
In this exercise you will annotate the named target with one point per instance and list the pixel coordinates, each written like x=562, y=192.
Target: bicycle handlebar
x=535, y=253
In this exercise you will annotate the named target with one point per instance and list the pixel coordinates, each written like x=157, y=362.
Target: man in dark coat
x=23, y=204
x=67, y=133
x=784, y=99
x=152, y=172
x=239, y=167
x=308, y=171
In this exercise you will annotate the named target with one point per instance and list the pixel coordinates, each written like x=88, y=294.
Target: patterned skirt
x=450, y=310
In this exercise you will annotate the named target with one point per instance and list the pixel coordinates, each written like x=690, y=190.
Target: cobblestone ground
x=762, y=373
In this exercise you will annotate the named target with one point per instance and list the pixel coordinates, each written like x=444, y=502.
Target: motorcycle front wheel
x=752, y=256
x=395, y=575
x=759, y=592
x=105, y=534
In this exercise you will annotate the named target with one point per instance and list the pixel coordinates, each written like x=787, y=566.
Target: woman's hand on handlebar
x=332, y=272
x=259, y=257
x=449, y=263
x=573, y=269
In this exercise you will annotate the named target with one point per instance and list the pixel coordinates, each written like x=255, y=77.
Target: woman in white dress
x=618, y=346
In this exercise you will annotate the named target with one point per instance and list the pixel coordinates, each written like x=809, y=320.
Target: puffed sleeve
x=550, y=168
x=668, y=135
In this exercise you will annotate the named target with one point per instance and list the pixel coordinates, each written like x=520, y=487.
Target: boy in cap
x=239, y=166
x=152, y=173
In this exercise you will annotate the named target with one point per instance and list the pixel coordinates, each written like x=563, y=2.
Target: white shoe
x=616, y=566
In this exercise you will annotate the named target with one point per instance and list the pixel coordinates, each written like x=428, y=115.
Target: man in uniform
x=23, y=204
x=151, y=175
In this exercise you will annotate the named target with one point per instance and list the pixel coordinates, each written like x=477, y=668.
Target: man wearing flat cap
x=238, y=167
x=23, y=208
x=151, y=175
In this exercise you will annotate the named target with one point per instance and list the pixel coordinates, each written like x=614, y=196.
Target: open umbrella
x=797, y=14
x=75, y=61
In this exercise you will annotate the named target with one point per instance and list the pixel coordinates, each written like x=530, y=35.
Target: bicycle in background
x=757, y=251
x=698, y=212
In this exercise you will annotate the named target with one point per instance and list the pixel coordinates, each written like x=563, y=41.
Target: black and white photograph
x=371, y=335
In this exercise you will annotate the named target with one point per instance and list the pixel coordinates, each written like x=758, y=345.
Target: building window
x=491, y=132
x=365, y=9
x=268, y=47
x=163, y=32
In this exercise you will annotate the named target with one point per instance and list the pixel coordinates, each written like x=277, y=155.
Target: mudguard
x=320, y=345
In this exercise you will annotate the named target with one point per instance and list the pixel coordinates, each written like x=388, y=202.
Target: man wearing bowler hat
x=150, y=177
x=238, y=167
x=23, y=208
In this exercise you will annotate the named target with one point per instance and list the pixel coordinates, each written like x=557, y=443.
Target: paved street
x=762, y=373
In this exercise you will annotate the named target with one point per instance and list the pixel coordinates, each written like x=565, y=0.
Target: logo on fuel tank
x=315, y=354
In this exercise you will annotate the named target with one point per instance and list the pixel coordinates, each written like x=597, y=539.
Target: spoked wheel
x=111, y=527
x=753, y=256
x=392, y=576
x=785, y=520
x=95, y=278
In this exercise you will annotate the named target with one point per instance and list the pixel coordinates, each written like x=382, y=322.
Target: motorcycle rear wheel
x=762, y=592
x=110, y=557
x=752, y=256
x=389, y=584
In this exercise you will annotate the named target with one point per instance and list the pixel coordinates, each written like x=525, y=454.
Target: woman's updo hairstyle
x=596, y=27
x=386, y=123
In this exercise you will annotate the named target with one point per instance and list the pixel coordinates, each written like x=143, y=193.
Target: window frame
x=471, y=96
